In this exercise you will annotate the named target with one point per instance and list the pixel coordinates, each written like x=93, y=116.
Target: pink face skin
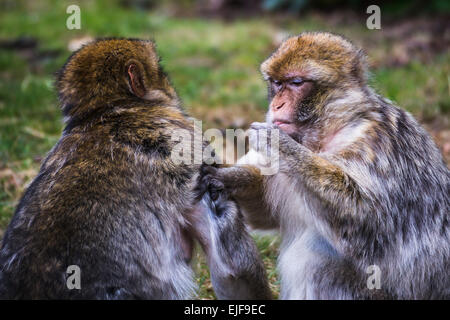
x=288, y=94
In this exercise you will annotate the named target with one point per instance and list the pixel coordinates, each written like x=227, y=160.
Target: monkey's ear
x=135, y=79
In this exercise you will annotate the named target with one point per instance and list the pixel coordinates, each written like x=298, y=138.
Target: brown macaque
x=109, y=201
x=361, y=197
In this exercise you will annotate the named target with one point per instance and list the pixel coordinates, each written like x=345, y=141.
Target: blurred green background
x=212, y=50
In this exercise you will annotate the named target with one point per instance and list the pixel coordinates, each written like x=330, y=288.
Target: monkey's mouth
x=280, y=123
x=285, y=125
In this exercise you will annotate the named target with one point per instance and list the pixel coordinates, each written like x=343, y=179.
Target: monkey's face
x=290, y=102
x=303, y=71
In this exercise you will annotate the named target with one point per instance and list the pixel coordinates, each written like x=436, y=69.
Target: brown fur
x=110, y=199
x=360, y=181
x=107, y=198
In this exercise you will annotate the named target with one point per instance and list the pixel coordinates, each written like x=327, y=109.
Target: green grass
x=213, y=64
x=422, y=89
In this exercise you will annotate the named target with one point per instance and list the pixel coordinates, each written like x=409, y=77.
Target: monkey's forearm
x=325, y=179
x=345, y=204
x=257, y=212
x=246, y=185
x=241, y=181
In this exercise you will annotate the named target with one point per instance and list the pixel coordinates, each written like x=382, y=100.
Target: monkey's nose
x=279, y=106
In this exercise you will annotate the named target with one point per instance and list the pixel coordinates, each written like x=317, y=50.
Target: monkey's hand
x=272, y=142
x=327, y=179
x=245, y=184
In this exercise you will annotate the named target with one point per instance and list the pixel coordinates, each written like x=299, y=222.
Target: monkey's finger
x=210, y=181
x=215, y=185
x=258, y=125
x=205, y=170
x=259, y=140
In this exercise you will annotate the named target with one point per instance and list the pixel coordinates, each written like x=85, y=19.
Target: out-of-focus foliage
x=398, y=8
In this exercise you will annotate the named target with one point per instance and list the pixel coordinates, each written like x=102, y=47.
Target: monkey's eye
x=296, y=81
x=277, y=82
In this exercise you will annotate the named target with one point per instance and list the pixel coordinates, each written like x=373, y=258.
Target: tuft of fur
x=97, y=73
x=324, y=57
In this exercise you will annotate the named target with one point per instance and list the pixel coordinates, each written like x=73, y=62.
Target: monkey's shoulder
x=384, y=130
x=144, y=128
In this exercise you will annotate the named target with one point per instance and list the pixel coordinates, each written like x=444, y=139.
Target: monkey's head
x=304, y=70
x=108, y=70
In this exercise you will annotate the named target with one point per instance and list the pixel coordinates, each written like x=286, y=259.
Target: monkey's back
x=419, y=204
x=109, y=200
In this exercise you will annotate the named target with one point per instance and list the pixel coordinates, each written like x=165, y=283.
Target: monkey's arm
x=325, y=179
x=246, y=185
x=237, y=271
x=345, y=202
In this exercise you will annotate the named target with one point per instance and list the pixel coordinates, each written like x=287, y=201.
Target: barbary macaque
x=110, y=201
x=361, y=185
